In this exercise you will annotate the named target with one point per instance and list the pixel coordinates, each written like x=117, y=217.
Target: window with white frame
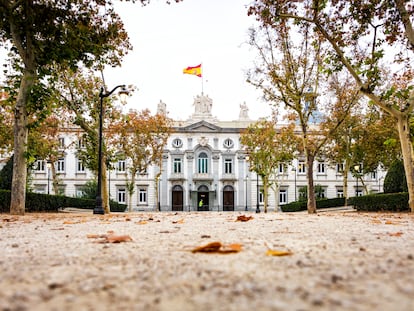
x=79, y=192
x=121, y=195
x=81, y=143
x=80, y=167
x=40, y=166
x=202, y=163
x=301, y=167
x=283, y=199
x=282, y=168
x=374, y=175
x=121, y=166
x=177, y=166
x=340, y=167
x=228, y=166
x=339, y=193
x=321, y=168
x=142, y=195
x=60, y=165
x=261, y=196
x=320, y=192
x=62, y=142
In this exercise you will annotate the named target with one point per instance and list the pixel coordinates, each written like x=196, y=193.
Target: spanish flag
x=193, y=71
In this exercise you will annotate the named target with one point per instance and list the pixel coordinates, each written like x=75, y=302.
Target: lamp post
x=98, y=208
x=257, y=185
x=159, y=195
x=48, y=165
x=356, y=168
x=294, y=170
x=247, y=179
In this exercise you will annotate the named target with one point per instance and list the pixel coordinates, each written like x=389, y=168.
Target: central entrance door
x=177, y=198
x=202, y=198
x=228, y=198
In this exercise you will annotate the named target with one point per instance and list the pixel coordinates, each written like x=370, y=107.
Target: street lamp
x=247, y=179
x=294, y=170
x=122, y=93
x=48, y=165
x=257, y=199
x=159, y=195
x=356, y=168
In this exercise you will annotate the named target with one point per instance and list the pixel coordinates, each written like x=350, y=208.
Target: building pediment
x=202, y=127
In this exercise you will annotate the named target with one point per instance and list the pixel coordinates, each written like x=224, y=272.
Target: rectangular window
x=81, y=143
x=301, y=167
x=61, y=142
x=142, y=196
x=61, y=165
x=321, y=168
x=339, y=193
x=228, y=166
x=177, y=166
x=40, y=166
x=320, y=192
x=340, y=168
x=202, y=165
x=261, y=196
x=121, y=195
x=79, y=193
x=80, y=168
x=121, y=166
x=374, y=175
x=282, y=196
x=282, y=168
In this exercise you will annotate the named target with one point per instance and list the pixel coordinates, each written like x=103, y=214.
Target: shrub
x=6, y=175
x=36, y=202
x=395, y=181
x=394, y=202
x=320, y=204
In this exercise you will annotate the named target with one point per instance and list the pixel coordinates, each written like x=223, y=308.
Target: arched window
x=202, y=163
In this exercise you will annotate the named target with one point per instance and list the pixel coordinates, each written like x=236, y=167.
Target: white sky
x=168, y=38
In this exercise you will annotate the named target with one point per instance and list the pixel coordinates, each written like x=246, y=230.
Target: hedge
x=393, y=202
x=320, y=204
x=37, y=202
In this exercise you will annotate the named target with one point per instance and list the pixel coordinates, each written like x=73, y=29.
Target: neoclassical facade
x=204, y=168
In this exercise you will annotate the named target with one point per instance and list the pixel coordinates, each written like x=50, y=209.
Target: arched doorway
x=228, y=198
x=177, y=198
x=202, y=198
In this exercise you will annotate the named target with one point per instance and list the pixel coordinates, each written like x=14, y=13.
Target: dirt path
x=339, y=261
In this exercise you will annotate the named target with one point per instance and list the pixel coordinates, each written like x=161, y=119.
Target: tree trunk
x=311, y=187
x=407, y=151
x=104, y=188
x=18, y=193
x=265, y=192
x=131, y=187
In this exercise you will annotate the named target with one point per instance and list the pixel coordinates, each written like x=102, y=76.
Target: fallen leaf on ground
x=109, y=238
x=272, y=252
x=218, y=248
x=180, y=221
x=244, y=218
x=142, y=222
x=399, y=233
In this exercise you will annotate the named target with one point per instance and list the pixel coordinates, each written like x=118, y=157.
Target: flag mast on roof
x=195, y=70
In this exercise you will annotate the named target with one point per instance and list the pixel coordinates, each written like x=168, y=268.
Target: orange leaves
x=399, y=233
x=244, y=218
x=218, y=248
x=109, y=238
x=272, y=252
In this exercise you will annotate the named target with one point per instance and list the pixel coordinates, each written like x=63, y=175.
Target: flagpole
x=202, y=79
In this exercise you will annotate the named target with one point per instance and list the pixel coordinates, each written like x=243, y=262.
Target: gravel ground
x=338, y=261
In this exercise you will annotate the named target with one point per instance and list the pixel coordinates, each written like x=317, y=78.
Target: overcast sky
x=168, y=38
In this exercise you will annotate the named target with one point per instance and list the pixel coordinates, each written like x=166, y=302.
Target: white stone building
x=204, y=168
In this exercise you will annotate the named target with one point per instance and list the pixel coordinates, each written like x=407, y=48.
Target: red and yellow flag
x=196, y=70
